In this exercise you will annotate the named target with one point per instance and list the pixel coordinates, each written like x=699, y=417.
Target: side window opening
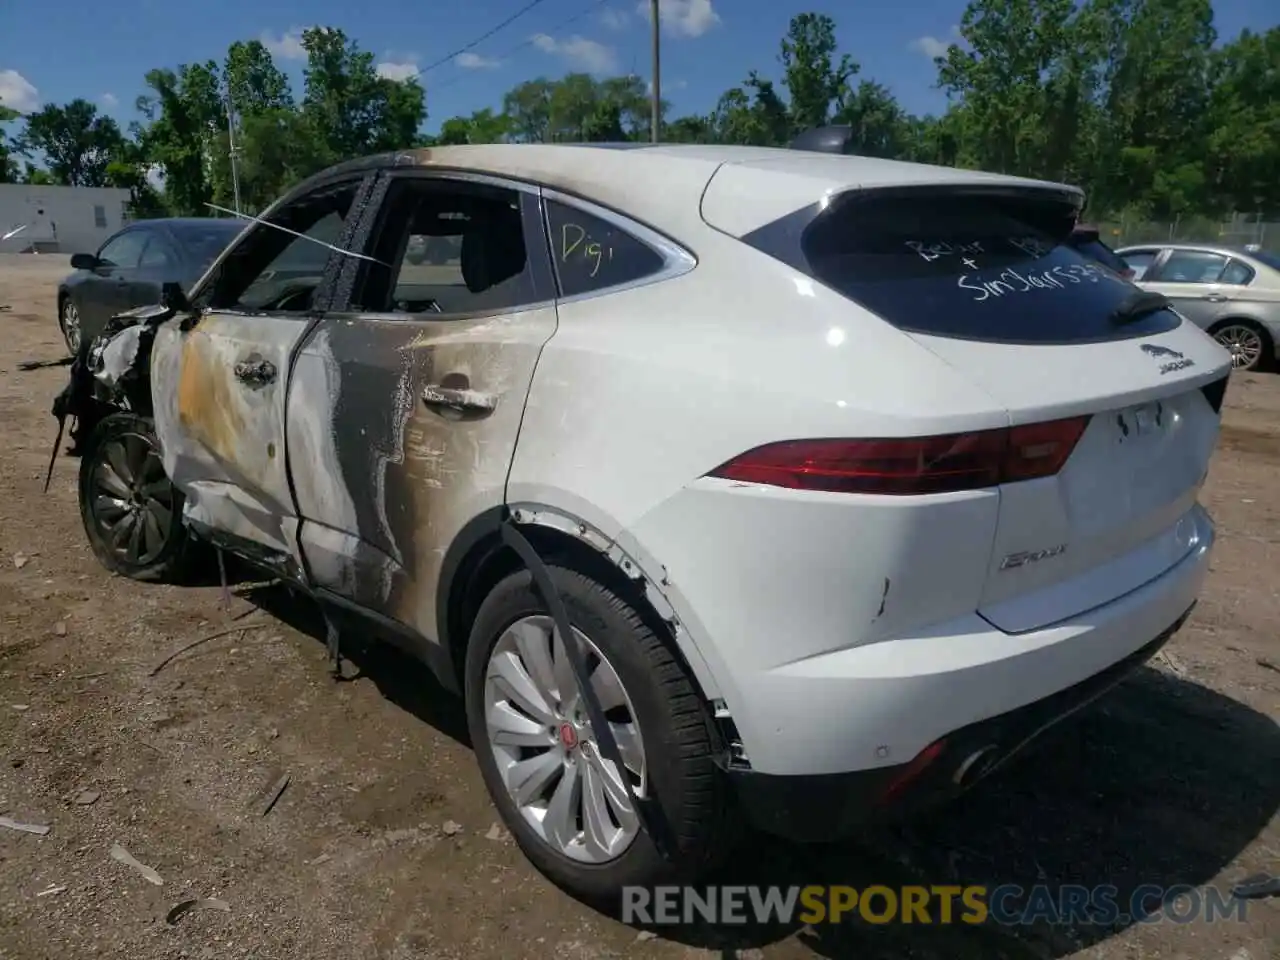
x=446, y=248
x=1237, y=273
x=1192, y=266
x=591, y=254
x=123, y=251
x=279, y=270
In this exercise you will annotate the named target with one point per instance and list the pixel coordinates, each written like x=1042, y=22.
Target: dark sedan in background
x=131, y=267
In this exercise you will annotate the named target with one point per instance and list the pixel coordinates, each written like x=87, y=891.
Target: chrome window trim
x=677, y=261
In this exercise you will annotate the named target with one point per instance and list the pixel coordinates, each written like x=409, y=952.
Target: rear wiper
x=1139, y=305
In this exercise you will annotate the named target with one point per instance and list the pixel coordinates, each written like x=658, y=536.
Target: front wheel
x=563, y=801
x=132, y=513
x=69, y=323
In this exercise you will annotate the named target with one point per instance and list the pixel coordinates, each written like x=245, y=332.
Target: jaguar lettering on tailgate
x=1171, y=360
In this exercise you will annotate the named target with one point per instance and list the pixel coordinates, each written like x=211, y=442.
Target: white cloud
x=932, y=47
x=615, y=19
x=392, y=70
x=17, y=92
x=110, y=101
x=683, y=18
x=473, y=61
x=581, y=53
x=287, y=46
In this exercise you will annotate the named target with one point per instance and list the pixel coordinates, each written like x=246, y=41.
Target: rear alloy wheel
x=567, y=805
x=132, y=513
x=1246, y=344
x=549, y=758
x=69, y=321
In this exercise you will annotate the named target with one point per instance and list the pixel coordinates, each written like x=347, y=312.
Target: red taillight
x=961, y=461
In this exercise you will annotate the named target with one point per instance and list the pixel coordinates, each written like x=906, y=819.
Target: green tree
x=8, y=164
x=814, y=77
x=187, y=115
x=76, y=142
x=349, y=108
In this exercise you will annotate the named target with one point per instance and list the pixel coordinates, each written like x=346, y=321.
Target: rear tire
x=1250, y=345
x=671, y=725
x=131, y=511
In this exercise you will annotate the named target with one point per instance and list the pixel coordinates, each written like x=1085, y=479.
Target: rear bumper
x=829, y=806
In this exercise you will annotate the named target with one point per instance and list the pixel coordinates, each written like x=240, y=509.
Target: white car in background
x=1232, y=293
x=852, y=475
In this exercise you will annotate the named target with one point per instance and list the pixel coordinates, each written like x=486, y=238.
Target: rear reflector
x=911, y=465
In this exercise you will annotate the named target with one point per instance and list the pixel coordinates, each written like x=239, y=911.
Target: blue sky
x=78, y=49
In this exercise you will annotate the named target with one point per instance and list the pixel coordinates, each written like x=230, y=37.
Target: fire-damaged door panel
x=404, y=410
x=220, y=378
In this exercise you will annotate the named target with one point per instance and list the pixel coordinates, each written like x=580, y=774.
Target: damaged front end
x=111, y=372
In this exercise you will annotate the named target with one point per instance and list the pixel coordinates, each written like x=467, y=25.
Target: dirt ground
x=383, y=844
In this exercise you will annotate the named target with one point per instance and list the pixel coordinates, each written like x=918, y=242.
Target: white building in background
x=59, y=219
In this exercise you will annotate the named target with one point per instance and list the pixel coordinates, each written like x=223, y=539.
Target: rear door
x=1192, y=279
x=406, y=403
x=219, y=385
x=989, y=284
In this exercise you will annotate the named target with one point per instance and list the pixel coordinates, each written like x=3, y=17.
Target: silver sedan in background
x=1232, y=293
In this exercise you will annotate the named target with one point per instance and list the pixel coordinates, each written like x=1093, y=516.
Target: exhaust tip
x=974, y=766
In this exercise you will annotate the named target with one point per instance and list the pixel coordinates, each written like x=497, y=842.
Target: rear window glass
x=1099, y=252
x=988, y=268
x=203, y=242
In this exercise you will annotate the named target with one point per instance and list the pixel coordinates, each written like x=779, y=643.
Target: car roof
x=1222, y=248
x=183, y=221
x=664, y=183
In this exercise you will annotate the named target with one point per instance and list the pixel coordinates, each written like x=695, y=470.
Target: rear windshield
x=1265, y=256
x=994, y=268
x=204, y=241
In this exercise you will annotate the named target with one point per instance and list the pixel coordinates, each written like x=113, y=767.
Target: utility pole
x=231, y=144
x=655, y=120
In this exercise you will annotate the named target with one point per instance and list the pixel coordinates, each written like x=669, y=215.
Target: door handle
x=255, y=372
x=1215, y=297
x=460, y=399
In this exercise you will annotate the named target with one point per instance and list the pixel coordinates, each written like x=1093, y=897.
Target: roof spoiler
x=832, y=139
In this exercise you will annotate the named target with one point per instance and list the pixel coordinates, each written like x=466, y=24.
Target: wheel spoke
x=509, y=675
x=137, y=450
x=109, y=509
x=596, y=823
x=607, y=687
x=122, y=531
x=510, y=728
x=560, y=822
x=534, y=645
x=163, y=513
x=624, y=734
x=106, y=477
x=134, y=548
x=614, y=791
x=528, y=780
x=118, y=459
x=152, y=533
x=566, y=683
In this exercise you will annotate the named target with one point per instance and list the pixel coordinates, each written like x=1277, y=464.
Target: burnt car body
x=130, y=269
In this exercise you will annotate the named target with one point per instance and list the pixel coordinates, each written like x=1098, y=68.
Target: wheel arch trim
x=476, y=542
